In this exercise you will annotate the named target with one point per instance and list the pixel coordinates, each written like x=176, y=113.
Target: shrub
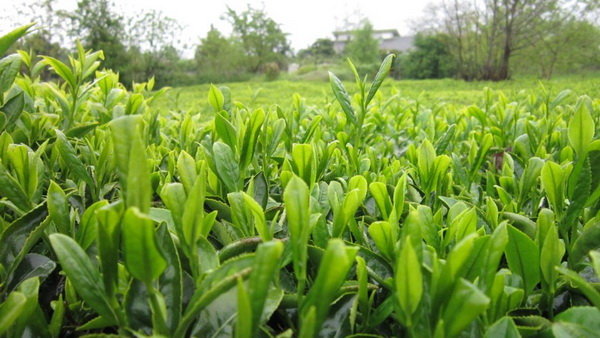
x=271, y=71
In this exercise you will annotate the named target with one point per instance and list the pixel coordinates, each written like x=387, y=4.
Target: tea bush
x=367, y=215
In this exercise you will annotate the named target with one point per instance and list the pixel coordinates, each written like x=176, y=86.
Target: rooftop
x=393, y=32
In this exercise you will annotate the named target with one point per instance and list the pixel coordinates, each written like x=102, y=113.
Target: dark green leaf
x=32, y=265
x=82, y=274
x=171, y=281
x=523, y=257
x=14, y=107
x=21, y=236
x=11, y=189
x=588, y=240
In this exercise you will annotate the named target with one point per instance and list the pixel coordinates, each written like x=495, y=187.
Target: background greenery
x=469, y=40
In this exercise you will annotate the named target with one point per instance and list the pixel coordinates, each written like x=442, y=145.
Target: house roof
x=394, y=32
x=398, y=43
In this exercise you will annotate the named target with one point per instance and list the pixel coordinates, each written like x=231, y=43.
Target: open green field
x=367, y=209
x=314, y=93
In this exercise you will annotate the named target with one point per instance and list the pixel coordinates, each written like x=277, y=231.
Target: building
x=389, y=40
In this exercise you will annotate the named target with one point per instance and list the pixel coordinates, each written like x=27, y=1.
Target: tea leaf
x=342, y=97
x=409, y=280
x=465, y=304
x=382, y=73
x=142, y=257
x=9, y=39
x=522, y=255
x=215, y=98
x=335, y=264
x=11, y=309
x=296, y=198
x=588, y=240
x=581, y=130
x=504, y=327
x=228, y=169
x=81, y=272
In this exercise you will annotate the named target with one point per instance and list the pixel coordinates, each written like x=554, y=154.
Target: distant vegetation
x=470, y=40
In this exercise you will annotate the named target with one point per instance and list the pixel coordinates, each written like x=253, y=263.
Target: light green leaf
x=227, y=166
x=186, y=167
x=142, y=257
x=250, y=137
x=215, y=98
x=581, y=130
x=382, y=73
x=71, y=159
x=342, y=97
x=335, y=264
x=11, y=309
x=503, y=328
x=225, y=130
x=9, y=39
x=382, y=198
x=553, y=182
x=465, y=304
x=408, y=280
x=296, y=198
x=243, y=327
x=58, y=208
x=9, y=68
x=264, y=271
x=551, y=255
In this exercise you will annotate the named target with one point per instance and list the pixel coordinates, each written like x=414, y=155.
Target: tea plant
x=369, y=215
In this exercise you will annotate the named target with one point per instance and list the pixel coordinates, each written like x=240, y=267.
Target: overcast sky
x=304, y=20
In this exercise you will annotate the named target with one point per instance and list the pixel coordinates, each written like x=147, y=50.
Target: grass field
x=266, y=94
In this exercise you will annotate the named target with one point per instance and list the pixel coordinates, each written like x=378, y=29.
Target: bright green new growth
x=369, y=214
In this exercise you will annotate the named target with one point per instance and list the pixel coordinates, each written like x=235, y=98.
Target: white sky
x=304, y=20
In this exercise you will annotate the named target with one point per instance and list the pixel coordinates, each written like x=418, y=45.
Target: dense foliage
x=367, y=215
x=363, y=48
x=430, y=59
x=487, y=37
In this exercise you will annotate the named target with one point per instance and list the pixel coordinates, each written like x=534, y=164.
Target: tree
x=322, y=47
x=152, y=36
x=220, y=59
x=570, y=41
x=485, y=35
x=48, y=37
x=100, y=28
x=262, y=38
x=363, y=48
x=320, y=50
x=430, y=59
x=152, y=31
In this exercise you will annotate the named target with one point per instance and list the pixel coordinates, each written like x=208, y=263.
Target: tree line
x=488, y=40
x=466, y=39
x=148, y=45
x=494, y=39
